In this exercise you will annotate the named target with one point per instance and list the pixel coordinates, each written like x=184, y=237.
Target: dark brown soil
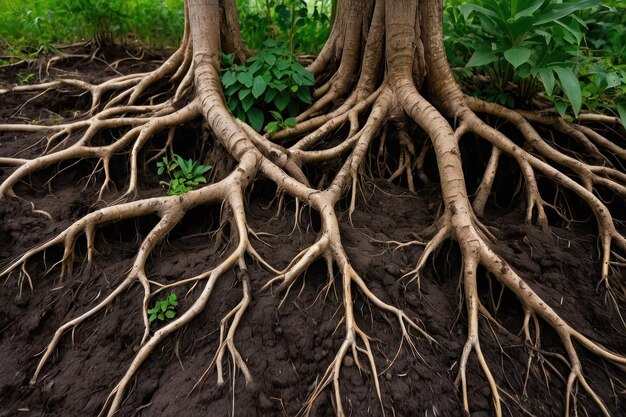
x=287, y=349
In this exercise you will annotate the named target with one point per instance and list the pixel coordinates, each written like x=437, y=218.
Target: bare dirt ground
x=288, y=348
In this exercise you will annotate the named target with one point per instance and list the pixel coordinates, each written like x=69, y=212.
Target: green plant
x=279, y=123
x=603, y=71
x=185, y=175
x=163, y=309
x=523, y=43
x=272, y=80
x=23, y=79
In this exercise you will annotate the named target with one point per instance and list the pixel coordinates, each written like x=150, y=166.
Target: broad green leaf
x=232, y=104
x=468, y=8
x=232, y=89
x=276, y=115
x=229, y=78
x=577, y=34
x=243, y=93
x=481, y=57
x=161, y=316
x=547, y=78
x=246, y=103
x=612, y=80
x=517, y=56
x=282, y=100
x=160, y=170
x=270, y=95
x=561, y=107
x=558, y=10
x=152, y=318
x=272, y=127
x=304, y=95
x=245, y=78
x=571, y=87
x=530, y=10
x=170, y=314
x=258, y=87
x=270, y=59
x=256, y=118
x=290, y=122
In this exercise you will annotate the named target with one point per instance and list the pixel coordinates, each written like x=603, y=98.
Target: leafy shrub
x=524, y=44
x=163, y=309
x=272, y=80
x=285, y=20
x=185, y=175
x=603, y=71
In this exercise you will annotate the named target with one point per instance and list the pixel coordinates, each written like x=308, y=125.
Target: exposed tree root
x=394, y=47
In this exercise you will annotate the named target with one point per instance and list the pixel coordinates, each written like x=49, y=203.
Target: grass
x=28, y=26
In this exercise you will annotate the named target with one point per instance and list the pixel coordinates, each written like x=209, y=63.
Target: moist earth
x=287, y=346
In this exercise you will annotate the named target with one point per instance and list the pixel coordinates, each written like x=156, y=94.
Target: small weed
x=23, y=79
x=163, y=309
x=185, y=175
x=279, y=123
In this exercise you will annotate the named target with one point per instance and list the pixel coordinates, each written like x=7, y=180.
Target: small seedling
x=23, y=79
x=185, y=175
x=164, y=309
x=279, y=123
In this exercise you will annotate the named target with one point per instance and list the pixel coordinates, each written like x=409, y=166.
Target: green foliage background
x=574, y=61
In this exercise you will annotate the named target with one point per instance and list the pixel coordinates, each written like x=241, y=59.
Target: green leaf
x=161, y=316
x=517, y=56
x=621, y=110
x=547, y=78
x=269, y=59
x=290, y=122
x=199, y=170
x=258, y=87
x=272, y=127
x=558, y=10
x=232, y=104
x=571, y=87
x=530, y=10
x=246, y=103
x=276, y=115
x=229, y=78
x=243, y=93
x=270, y=95
x=163, y=305
x=481, y=57
x=468, y=8
x=172, y=297
x=282, y=100
x=304, y=95
x=160, y=170
x=170, y=314
x=561, y=107
x=256, y=118
x=245, y=78
x=612, y=80
x=152, y=318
